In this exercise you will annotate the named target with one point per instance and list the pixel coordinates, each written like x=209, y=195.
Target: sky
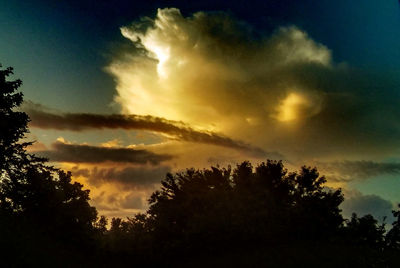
x=122, y=92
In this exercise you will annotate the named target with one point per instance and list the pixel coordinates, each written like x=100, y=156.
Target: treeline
x=252, y=217
x=245, y=216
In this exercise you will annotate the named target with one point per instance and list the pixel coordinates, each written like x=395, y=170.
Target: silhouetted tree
x=366, y=231
x=249, y=216
x=13, y=124
x=225, y=208
x=393, y=236
x=38, y=202
x=392, y=240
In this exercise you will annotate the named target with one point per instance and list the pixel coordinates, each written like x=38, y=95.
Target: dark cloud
x=81, y=172
x=350, y=170
x=367, y=204
x=45, y=119
x=74, y=153
x=358, y=112
x=133, y=201
x=129, y=177
x=116, y=203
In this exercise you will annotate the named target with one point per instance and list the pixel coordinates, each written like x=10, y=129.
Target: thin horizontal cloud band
x=76, y=153
x=87, y=121
x=355, y=170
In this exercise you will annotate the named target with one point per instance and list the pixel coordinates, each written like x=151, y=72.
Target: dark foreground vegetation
x=218, y=217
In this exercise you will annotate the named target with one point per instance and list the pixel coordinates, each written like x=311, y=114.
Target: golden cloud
x=281, y=91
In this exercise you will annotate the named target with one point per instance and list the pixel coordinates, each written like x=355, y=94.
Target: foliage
x=219, y=204
x=393, y=236
x=366, y=231
x=37, y=201
x=247, y=216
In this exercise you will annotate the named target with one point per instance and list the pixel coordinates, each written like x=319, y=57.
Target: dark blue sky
x=59, y=48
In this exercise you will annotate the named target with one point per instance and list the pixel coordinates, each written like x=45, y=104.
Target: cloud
x=36, y=146
x=215, y=64
x=119, y=204
x=75, y=153
x=352, y=170
x=356, y=202
x=197, y=155
x=42, y=117
x=129, y=177
x=133, y=201
x=282, y=92
x=120, y=190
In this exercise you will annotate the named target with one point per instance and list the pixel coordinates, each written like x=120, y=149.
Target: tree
x=392, y=240
x=225, y=208
x=366, y=231
x=13, y=156
x=39, y=202
x=393, y=236
x=13, y=124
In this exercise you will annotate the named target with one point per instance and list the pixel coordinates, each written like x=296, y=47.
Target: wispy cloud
x=77, y=153
x=43, y=118
x=353, y=170
x=130, y=177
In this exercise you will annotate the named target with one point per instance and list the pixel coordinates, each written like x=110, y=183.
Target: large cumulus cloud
x=211, y=65
x=283, y=92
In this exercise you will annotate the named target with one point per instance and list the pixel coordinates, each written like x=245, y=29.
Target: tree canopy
x=247, y=216
x=267, y=203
